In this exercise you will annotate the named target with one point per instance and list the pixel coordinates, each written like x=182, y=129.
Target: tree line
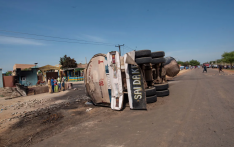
x=187, y=63
x=227, y=57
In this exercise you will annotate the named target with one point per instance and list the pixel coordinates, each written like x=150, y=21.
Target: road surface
x=199, y=112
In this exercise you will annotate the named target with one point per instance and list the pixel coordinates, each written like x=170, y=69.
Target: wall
x=52, y=74
x=74, y=79
x=31, y=76
x=22, y=66
x=8, y=81
x=40, y=77
x=1, y=79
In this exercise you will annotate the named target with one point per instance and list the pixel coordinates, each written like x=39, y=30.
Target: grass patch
x=1, y=96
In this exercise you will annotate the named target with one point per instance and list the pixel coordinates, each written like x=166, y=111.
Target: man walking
x=205, y=69
x=220, y=68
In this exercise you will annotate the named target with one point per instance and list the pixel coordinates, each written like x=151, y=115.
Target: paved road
x=199, y=112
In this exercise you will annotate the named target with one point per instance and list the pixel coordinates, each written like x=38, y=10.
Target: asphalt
x=198, y=113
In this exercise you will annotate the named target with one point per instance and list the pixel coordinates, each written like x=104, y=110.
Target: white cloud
x=18, y=41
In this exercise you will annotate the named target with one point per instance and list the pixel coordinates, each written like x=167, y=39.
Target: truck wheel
x=151, y=99
x=160, y=87
x=158, y=60
x=143, y=60
x=143, y=53
x=162, y=93
x=150, y=91
x=158, y=54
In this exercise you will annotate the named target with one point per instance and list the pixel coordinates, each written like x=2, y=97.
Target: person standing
x=52, y=83
x=59, y=84
x=49, y=85
x=63, y=83
x=55, y=85
x=205, y=69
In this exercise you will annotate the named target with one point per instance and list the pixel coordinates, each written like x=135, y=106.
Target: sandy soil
x=12, y=110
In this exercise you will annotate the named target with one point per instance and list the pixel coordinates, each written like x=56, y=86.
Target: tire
x=143, y=60
x=160, y=87
x=151, y=99
x=143, y=53
x=150, y=91
x=158, y=60
x=162, y=93
x=158, y=54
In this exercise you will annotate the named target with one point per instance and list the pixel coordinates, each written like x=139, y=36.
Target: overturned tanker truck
x=138, y=76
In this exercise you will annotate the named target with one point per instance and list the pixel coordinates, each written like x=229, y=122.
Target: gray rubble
x=27, y=115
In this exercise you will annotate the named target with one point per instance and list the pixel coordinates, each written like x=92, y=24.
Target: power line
x=16, y=32
x=119, y=48
x=129, y=47
x=87, y=42
x=54, y=40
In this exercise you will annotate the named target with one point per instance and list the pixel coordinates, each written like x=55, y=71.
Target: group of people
x=205, y=68
x=56, y=85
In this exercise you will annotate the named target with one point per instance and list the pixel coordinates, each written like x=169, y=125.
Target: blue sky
x=184, y=29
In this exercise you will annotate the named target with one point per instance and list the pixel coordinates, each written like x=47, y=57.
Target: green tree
x=228, y=57
x=219, y=60
x=9, y=73
x=180, y=62
x=26, y=69
x=186, y=63
x=194, y=62
x=67, y=62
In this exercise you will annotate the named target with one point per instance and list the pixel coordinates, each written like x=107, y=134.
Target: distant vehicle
x=207, y=65
x=181, y=67
x=215, y=66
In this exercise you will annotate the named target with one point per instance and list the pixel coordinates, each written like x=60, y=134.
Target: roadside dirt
x=226, y=70
x=37, y=126
x=27, y=120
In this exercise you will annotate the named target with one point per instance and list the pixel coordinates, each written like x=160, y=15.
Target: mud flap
x=135, y=82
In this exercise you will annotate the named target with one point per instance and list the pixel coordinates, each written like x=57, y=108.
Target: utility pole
x=119, y=48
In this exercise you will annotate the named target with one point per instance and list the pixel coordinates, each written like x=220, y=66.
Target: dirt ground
x=40, y=116
x=226, y=70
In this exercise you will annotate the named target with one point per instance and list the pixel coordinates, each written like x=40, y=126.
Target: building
x=75, y=74
x=49, y=71
x=23, y=66
x=80, y=69
x=27, y=77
